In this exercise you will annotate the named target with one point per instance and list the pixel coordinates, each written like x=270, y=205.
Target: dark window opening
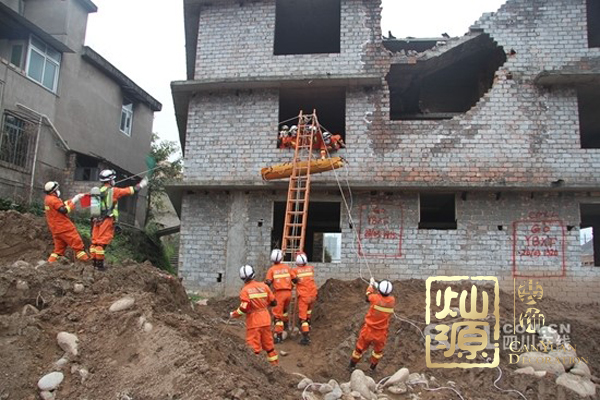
x=437, y=211
x=17, y=140
x=307, y=27
x=86, y=168
x=590, y=234
x=593, y=23
x=588, y=101
x=329, y=103
x=444, y=86
x=323, y=231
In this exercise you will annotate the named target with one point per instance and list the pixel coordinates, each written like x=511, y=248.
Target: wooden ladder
x=296, y=210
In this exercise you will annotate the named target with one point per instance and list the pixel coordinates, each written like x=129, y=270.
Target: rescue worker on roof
x=103, y=227
x=377, y=321
x=64, y=233
x=279, y=277
x=255, y=297
x=307, y=294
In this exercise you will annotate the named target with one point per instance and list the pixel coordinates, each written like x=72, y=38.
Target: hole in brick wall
x=590, y=234
x=570, y=228
x=447, y=85
x=500, y=227
x=220, y=277
x=86, y=168
x=323, y=222
x=593, y=23
x=588, y=101
x=260, y=223
x=329, y=103
x=437, y=211
x=307, y=27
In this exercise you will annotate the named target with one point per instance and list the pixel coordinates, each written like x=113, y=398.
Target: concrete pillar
x=236, y=242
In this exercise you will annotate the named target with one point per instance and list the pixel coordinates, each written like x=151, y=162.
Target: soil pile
x=160, y=348
x=23, y=237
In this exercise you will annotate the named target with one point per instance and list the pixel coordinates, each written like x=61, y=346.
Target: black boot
x=305, y=341
x=100, y=265
x=352, y=365
x=372, y=367
x=278, y=338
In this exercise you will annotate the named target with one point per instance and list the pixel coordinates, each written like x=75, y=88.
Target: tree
x=166, y=172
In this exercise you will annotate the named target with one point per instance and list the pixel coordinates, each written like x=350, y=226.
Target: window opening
x=307, y=27
x=588, y=102
x=86, y=168
x=589, y=234
x=126, y=117
x=593, y=23
x=17, y=141
x=43, y=64
x=437, y=211
x=323, y=230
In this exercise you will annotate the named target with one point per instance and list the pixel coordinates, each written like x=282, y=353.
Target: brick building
x=470, y=156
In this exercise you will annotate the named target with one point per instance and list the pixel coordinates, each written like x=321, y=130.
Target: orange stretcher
x=282, y=171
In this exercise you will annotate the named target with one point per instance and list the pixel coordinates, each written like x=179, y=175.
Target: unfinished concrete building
x=468, y=156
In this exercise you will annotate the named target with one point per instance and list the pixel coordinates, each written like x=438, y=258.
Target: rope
x=500, y=377
x=139, y=173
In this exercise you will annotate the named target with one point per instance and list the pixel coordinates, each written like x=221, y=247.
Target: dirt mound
x=339, y=314
x=24, y=237
x=158, y=349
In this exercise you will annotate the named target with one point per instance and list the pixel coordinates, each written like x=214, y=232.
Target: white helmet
x=246, y=272
x=301, y=259
x=326, y=135
x=285, y=128
x=107, y=175
x=385, y=287
x=293, y=129
x=276, y=256
x=51, y=187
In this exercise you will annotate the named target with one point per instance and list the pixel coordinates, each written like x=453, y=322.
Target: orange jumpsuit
x=255, y=297
x=62, y=229
x=103, y=229
x=280, y=276
x=375, y=329
x=307, y=294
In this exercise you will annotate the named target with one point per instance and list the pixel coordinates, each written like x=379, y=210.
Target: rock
x=22, y=285
x=310, y=396
x=541, y=362
x=401, y=376
x=371, y=383
x=355, y=394
x=50, y=381
x=359, y=383
x=283, y=353
x=324, y=389
x=333, y=383
x=40, y=263
x=202, y=302
x=83, y=373
x=382, y=397
x=284, y=335
x=525, y=371
x=29, y=310
x=399, y=388
x=141, y=321
x=122, y=304
x=68, y=342
x=581, y=369
x=567, y=356
x=345, y=387
x=21, y=264
x=60, y=364
x=46, y=395
x=335, y=394
x=580, y=385
x=304, y=383
x=416, y=378
x=237, y=394
x=147, y=327
x=548, y=335
x=78, y=288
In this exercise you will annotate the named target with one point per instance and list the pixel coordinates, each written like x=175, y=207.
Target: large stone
x=60, y=364
x=50, y=381
x=541, y=362
x=359, y=383
x=345, y=387
x=371, y=383
x=530, y=371
x=398, y=388
x=122, y=304
x=335, y=394
x=567, y=356
x=304, y=383
x=22, y=285
x=21, y=264
x=326, y=388
x=78, y=288
x=401, y=376
x=580, y=385
x=68, y=342
x=581, y=369
x=548, y=335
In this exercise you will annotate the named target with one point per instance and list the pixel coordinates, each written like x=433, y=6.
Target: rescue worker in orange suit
x=279, y=277
x=307, y=294
x=103, y=227
x=255, y=297
x=377, y=321
x=331, y=143
x=61, y=227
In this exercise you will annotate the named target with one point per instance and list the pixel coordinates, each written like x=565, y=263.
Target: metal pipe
x=37, y=145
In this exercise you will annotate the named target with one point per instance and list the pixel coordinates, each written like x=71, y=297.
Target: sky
x=149, y=46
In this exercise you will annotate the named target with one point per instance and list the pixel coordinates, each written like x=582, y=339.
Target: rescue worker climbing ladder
x=377, y=321
x=280, y=277
x=103, y=227
x=64, y=233
x=255, y=297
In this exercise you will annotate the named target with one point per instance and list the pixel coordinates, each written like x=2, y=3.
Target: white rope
x=500, y=377
x=446, y=387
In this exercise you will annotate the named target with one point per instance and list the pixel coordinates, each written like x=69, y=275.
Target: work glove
x=77, y=197
x=143, y=183
x=372, y=283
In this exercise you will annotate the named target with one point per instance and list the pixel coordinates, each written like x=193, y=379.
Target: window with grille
x=16, y=141
x=43, y=64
